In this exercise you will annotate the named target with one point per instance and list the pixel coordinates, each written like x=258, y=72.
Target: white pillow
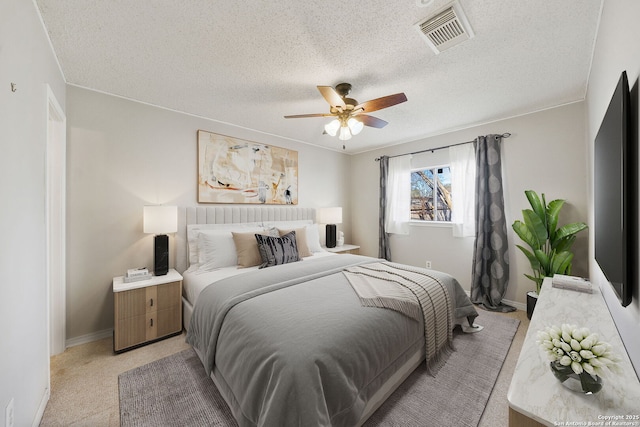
x=215, y=250
x=313, y=238
x=194, y=229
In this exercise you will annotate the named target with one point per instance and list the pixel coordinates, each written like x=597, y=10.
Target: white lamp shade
x=329, y=216
x=355, y=126
x=160, y=219
x=332, y=127
x=345, y=134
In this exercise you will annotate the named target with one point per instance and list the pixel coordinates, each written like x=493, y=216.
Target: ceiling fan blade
x=301, y=116
x=380, y=103
x=374, y=122
x=331, y=96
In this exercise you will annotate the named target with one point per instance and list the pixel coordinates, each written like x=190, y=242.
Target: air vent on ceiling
x=445, y=29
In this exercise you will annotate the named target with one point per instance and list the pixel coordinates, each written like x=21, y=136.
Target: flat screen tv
x=615, y=193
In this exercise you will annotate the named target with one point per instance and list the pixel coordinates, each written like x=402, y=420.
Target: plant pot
x=532, y=298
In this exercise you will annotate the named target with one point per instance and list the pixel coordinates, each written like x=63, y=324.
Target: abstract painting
x=232, y=170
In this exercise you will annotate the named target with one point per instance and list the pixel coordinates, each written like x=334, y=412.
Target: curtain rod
x=377, y=159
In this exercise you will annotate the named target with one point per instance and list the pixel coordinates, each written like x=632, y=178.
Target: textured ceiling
x=251, y=63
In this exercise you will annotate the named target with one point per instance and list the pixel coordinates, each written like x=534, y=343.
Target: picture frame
x=234, y=170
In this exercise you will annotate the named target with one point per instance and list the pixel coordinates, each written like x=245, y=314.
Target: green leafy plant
x=549, y=250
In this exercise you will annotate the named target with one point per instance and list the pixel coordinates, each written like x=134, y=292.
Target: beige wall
x=546, y=152
x=122, y=155
x=616, y=50
x=26, y=59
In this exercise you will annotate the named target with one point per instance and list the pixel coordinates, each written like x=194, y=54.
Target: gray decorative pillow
x=277, y=250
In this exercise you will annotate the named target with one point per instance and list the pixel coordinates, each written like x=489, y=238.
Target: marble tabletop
x=536, y=393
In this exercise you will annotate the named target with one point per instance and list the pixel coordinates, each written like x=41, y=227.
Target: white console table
x=537, y=398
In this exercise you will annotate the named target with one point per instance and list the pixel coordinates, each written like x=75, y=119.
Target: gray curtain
x=384, y=251
x=490, y=271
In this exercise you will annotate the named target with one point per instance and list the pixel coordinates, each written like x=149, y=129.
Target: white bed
x=225, y=218
x=203, y=220
x=195, y=281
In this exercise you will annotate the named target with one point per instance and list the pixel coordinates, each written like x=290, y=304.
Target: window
x=431, y=194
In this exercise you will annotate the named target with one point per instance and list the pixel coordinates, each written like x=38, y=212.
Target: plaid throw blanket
x=414, y=293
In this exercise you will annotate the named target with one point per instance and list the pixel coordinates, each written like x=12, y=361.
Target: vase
x=532, y=299
x=581, y=383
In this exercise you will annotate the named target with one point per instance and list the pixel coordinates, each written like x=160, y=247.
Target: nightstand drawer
x=169, y=321
x=131, y=331
x=135, y=302
x=169, y=295
x=147, y=327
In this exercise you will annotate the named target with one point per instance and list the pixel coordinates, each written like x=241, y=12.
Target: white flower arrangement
x=577, y=348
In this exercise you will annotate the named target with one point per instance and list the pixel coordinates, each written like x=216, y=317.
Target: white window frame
x=436, y=222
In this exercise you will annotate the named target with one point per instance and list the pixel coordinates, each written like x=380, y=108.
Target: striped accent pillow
x=277, y=250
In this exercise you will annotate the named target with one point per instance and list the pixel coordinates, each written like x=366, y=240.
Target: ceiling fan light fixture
x=332, y=127
x=355, y=126
x=349, y=115
x=345, y=133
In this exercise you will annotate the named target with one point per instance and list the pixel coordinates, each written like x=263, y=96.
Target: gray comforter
x=291, y=345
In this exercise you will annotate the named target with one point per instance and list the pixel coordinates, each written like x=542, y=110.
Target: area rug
x=175, y=391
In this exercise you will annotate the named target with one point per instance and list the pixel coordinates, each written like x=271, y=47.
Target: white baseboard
x=518, y=305
x=43, y=404
x=83, y=339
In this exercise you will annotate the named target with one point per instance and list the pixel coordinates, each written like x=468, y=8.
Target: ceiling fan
x=351, y=117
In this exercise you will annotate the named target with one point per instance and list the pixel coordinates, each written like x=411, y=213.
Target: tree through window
x=431, y=194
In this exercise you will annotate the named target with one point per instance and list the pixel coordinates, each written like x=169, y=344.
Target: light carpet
x=176, y=391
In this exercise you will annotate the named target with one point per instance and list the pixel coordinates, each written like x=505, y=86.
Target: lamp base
x=331, y=235
x=161, y=255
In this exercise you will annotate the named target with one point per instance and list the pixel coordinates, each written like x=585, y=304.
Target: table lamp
x=160, y=220
x=331, y=217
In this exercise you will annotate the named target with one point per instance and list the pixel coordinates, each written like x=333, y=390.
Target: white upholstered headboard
x=231, y=215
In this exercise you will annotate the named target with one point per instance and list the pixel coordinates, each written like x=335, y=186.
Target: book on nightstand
x=136, y=274
x=579, y=284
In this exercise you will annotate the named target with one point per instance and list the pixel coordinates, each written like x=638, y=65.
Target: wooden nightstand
x=147, y=310
x=344, y=249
